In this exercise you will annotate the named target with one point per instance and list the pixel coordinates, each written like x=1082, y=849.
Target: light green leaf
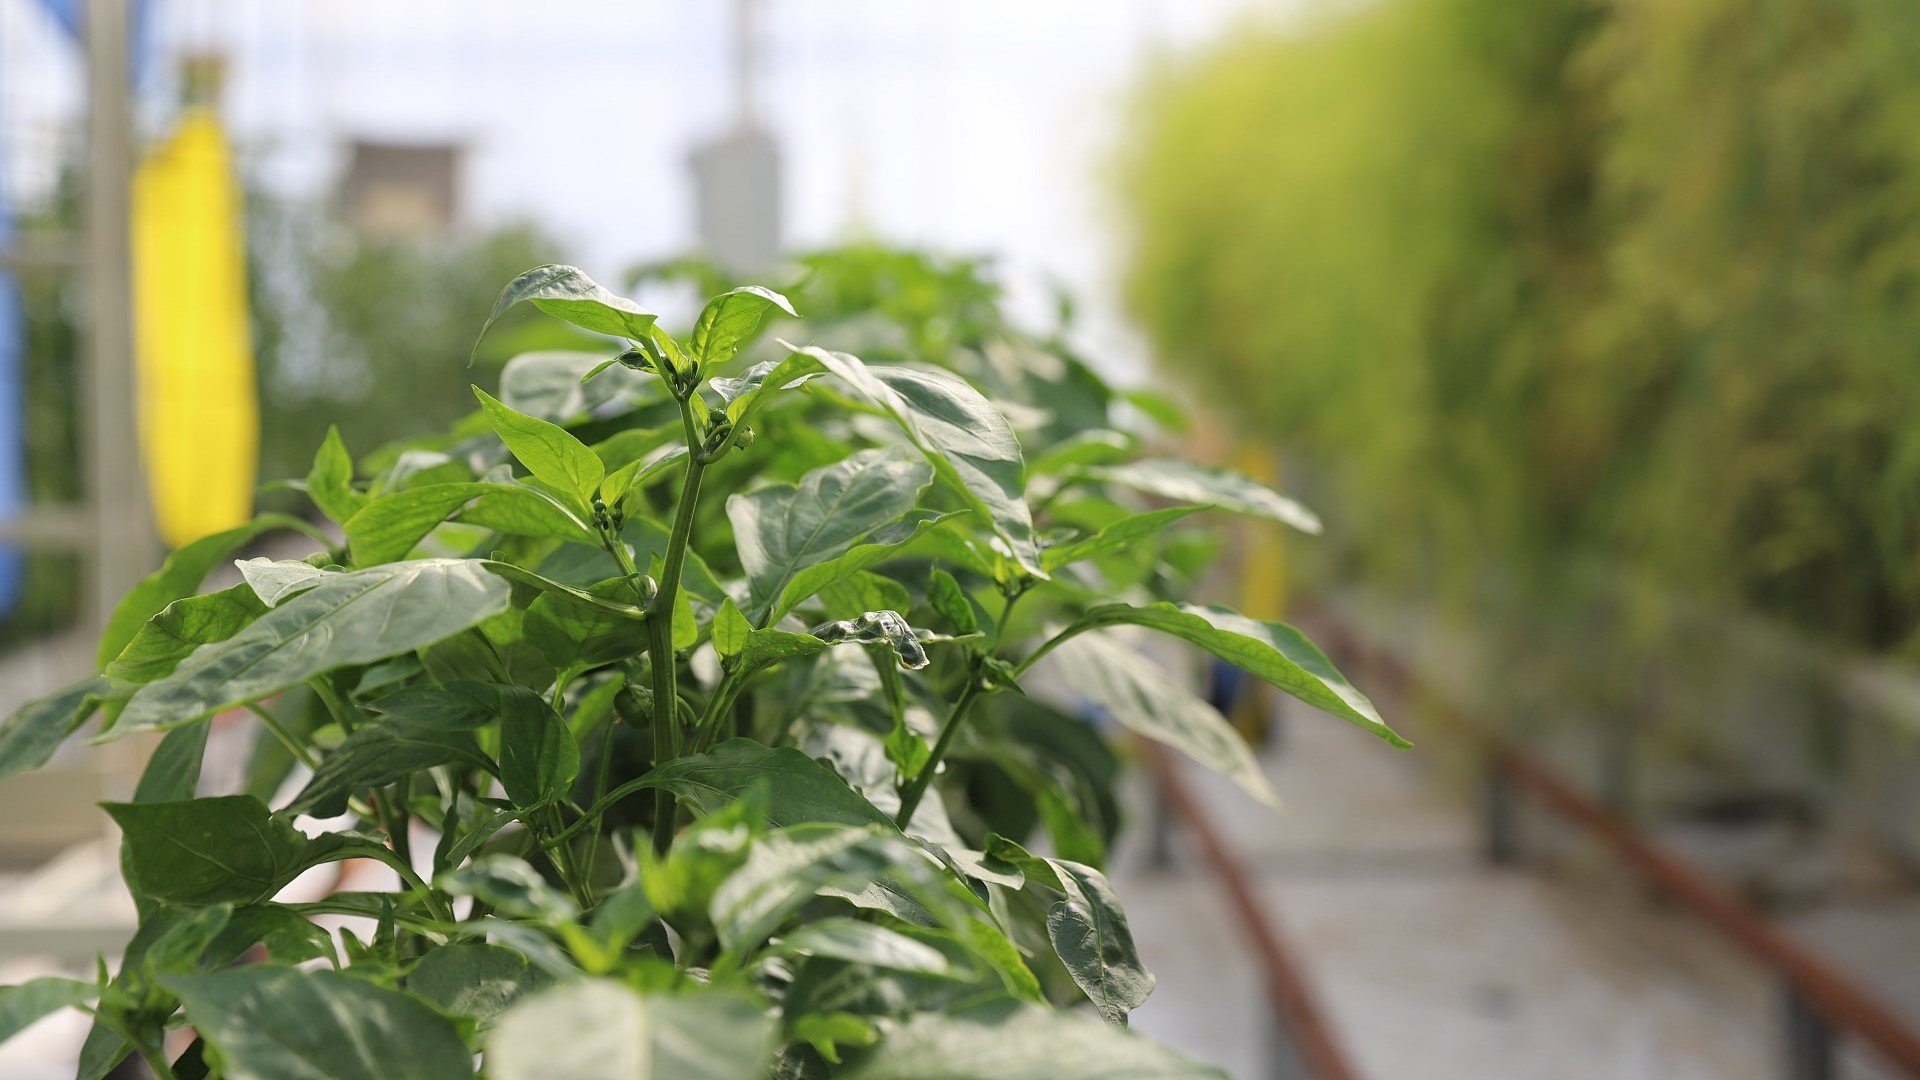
x=569, y=631
x=884, y=544
x=1012, y=1041
x=863, y=943
x=1186, y=482
x=565, y=292
x=1090, y=935
x=950, y=602
x=1114, y=537
x=968, y=442
x=277, y=1023
x=745, y=395
x=1143, y=698
x=1100, y=446
x=330, y=480
x=730, y=630
x=185, y=625
x=181, y=576
x=589, y=1030
x=549, y=451
x=786, y=868
x=781, y=530
x=27, y=1002
x=538, y=757
x=710, y=1035
x=550, y=384
x=352, y=618
x=729, y=320
x=273, y=580
x=390, y=527
x=29, y=737
x=1271, y=651
x=511, y=886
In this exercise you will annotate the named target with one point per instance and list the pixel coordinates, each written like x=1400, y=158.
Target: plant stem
x=280, y=732
x=666, y=718
x=917, y=788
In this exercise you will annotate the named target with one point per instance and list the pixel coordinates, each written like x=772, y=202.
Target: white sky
x=979, y=126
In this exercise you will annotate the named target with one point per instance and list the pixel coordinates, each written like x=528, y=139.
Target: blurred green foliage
x=1567, y=292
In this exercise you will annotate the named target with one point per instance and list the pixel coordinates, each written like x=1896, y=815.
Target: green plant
x=670, y=783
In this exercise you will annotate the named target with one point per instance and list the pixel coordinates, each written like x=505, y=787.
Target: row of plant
x=686, y=696
x=1567, y=295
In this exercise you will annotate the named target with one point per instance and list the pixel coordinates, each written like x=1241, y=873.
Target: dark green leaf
x=180, y=576
x=385, y=750
x=29, y=737
x=473, y=979
x=392, y=525
x=880, y=547
x=210, y=851
x=276, y=1023
x=185, y=625
x=745, y=395
x=788, y=867
x=800, y=789
x=538, y=757
x=27, y=1002
x=781, y=530
x=173, y=772
x=551, y=384
x=950, y=601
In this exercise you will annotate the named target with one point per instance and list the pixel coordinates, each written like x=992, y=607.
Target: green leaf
x=538, y=757
x=881, y=546
x=799, y=788
x=826, y=1032
x=1100, y=446
x=788, y=867
x=390, y=527
x=29, y=737
x=1114, y=537
x=567, y=293
x=783, y=529
x=730, y=630
x=185, y=625
x=729, y=320
x=968, y=442
x=276, y=1023
x=745, y=395
x=181, y=576
x=352, y=618
x=1143, y=698
x=551, y=385
x=710, y=1035
x=209, y=851
x=1011, y=1041
x=863, y=943
x=273, y=580
x=27, y=1002
x=569, y=631
x=1271, y=651
x=1186, y=482
x=878, y=628
x=549, y=451
x=1090, y=935
x=473, y=979
x=511, y=886
x=589, y=1030
x=173, y=772
x=406, y=740
x=330, y=480
x=950, y=602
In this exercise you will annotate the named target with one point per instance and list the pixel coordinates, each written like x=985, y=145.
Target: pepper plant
x=713, y=716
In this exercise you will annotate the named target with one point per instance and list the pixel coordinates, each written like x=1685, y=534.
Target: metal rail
x=1311, y=1049
x=1821, y=1001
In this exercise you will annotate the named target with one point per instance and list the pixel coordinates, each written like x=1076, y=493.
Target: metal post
x=1501, y=810
x=1810, y=1041
x=123, y=541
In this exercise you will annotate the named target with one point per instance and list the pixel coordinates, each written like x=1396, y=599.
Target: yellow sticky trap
x=199, y=415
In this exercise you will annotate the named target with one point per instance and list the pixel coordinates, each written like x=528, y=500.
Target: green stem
x=280, y=732
x=917, y=788
x=666, y=718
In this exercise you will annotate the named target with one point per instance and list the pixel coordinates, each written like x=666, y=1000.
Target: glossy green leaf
x=799, y=788
x=783, y=529
x=390, y=527
x=1010, y=1041
x=208, y=851
x=351, y=618
x=551, y=384
x=950, y=601
x=729, y=320
x=884, y=544
x=968, y=441
x=181, y=575
x=511, y=886
x=885, y=628
x=538, y=757
x=710, y=1035
x=185, y=625
x=863, y=943
x=1114, y=537
x=1142, y=697
x=27, y=1002
x=569, y=631
x=589, y=1030
x=745, y=395
x=1271, y=651
x=1090, y=935
x=29, y=737
x=1186, y=482
x=273, y=580
x=549, y=451
x=276, y=1023
x=330, y=480
x=788, y=867
x=565, y=292
x=473, y=979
